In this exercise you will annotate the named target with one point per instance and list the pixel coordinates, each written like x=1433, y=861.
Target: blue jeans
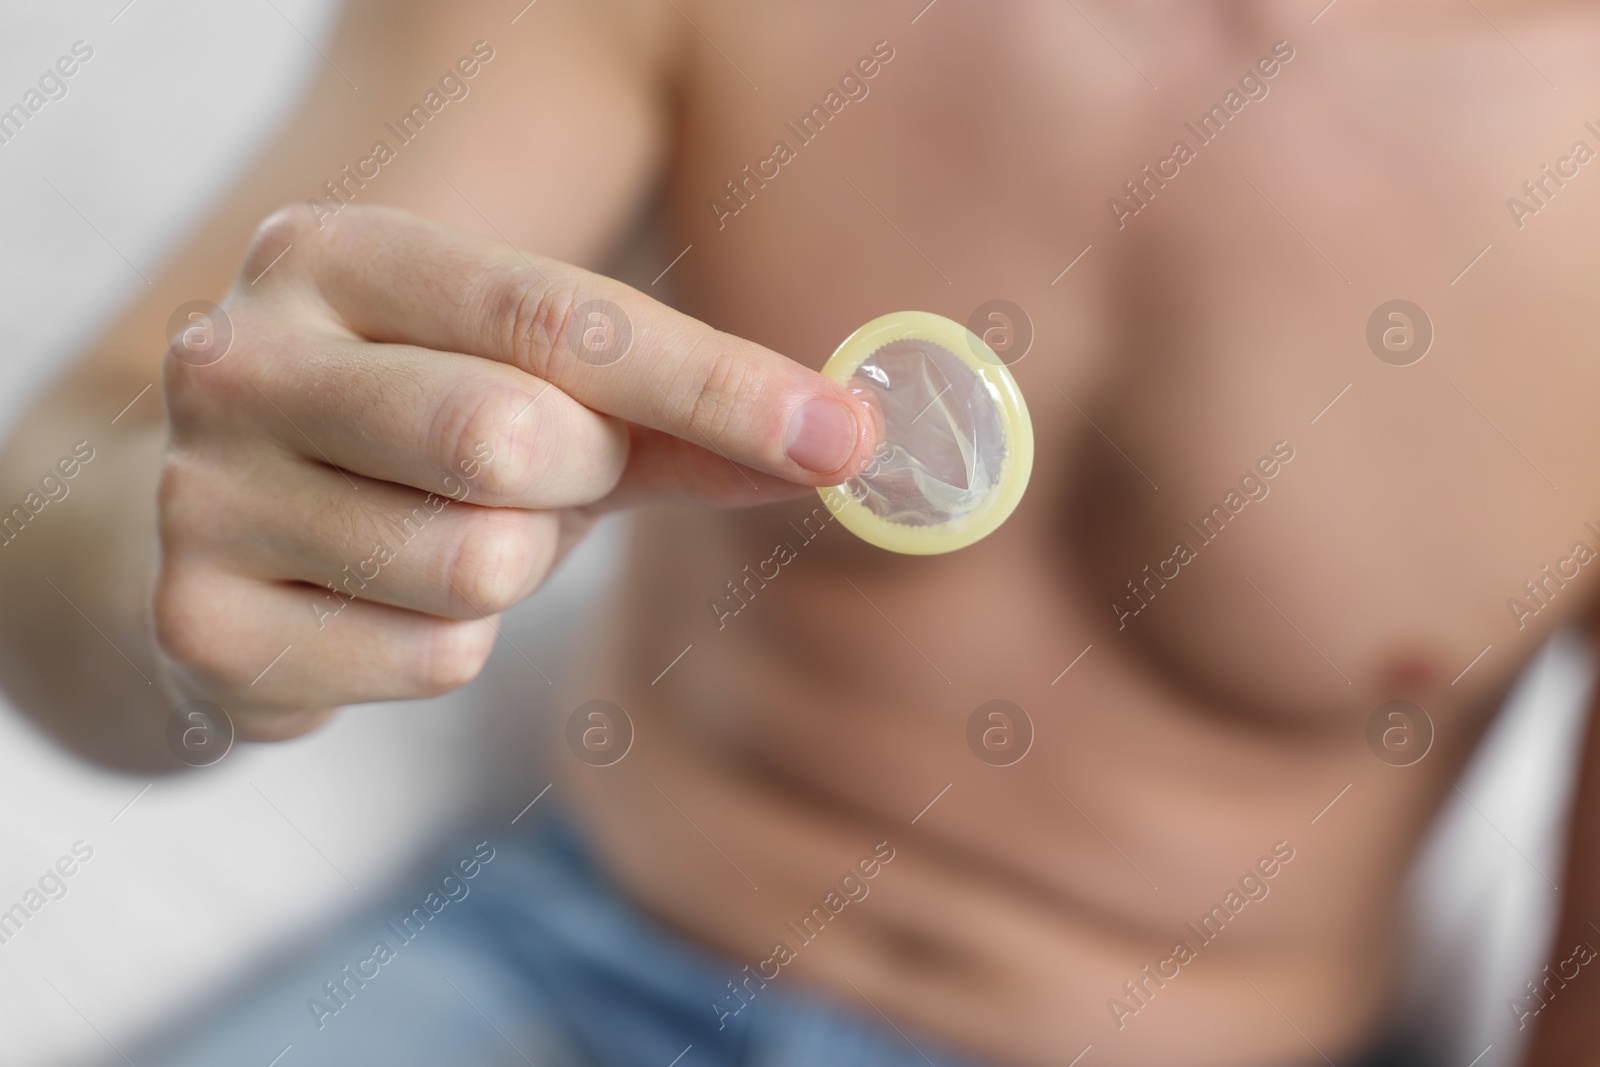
x=523, y=954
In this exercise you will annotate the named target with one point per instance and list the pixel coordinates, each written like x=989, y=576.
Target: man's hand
x=410, y=427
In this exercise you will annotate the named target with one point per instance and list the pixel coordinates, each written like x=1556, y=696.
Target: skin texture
x=1191, y=738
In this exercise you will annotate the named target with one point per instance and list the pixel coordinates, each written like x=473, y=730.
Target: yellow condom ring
x=989, y=431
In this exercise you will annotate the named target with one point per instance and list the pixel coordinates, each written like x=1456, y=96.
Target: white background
x=202, y=875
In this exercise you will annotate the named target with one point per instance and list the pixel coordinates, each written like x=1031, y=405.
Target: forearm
x=76, y=557
x=76, y=650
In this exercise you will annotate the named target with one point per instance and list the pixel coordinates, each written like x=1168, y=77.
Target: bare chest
x=1249, y=467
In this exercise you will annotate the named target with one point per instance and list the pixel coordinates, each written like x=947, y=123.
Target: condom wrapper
x=956, y=446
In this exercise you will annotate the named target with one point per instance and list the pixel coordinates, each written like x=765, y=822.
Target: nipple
x=955, y=444
x=1412, y=672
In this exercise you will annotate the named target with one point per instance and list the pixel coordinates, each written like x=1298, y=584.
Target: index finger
x=394, y=277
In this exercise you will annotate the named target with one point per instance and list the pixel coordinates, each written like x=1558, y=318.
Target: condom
x=955, y=444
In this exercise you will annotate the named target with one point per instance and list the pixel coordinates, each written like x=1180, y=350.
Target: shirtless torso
x=1215, y=714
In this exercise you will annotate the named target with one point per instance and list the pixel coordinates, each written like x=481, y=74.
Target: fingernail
x=821, y=435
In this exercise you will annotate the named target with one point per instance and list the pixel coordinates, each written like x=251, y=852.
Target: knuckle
x=455, y=654
x=180, y=392
x=483, y=434
x=490, y=562
x=209, y=392
x=183, y=628
x=172, y=487
x=184, y=494
x=192, y=398
x=538, y=313
x=289, y=225
x=193, y=395
x=720, y=390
